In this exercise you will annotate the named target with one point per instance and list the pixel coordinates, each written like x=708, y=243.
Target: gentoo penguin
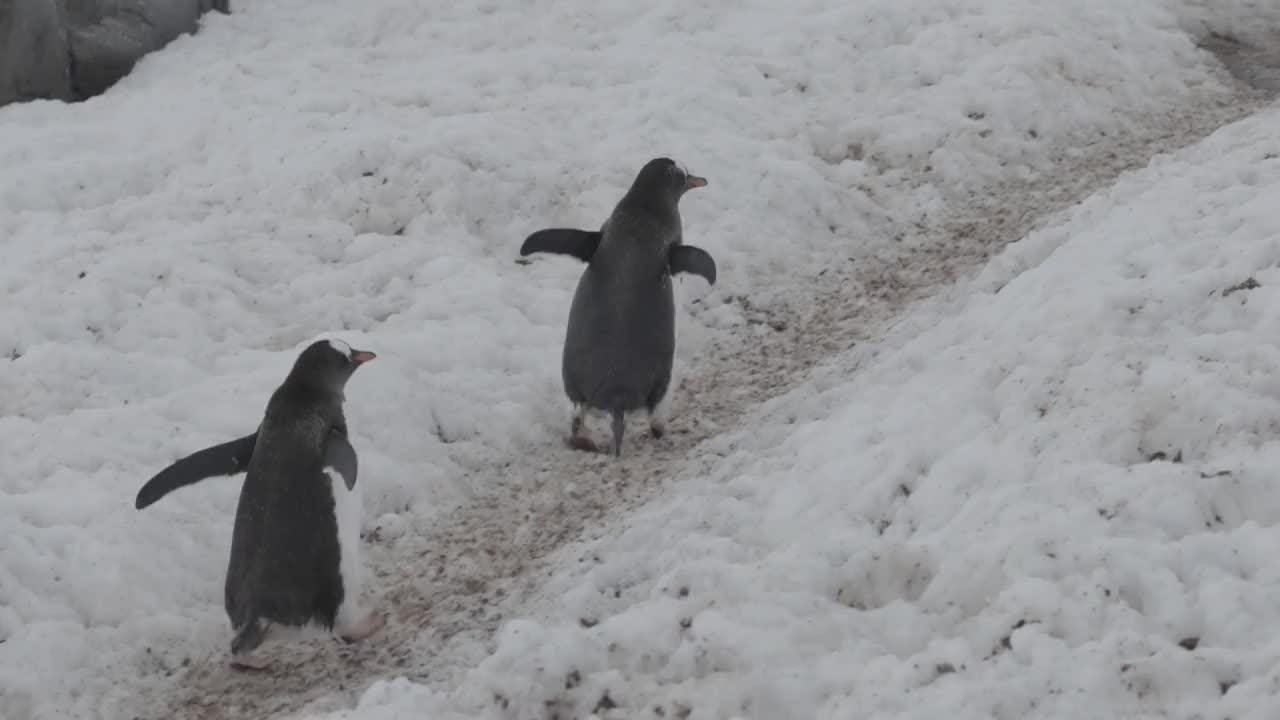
x=620, y=343
x=294, y=549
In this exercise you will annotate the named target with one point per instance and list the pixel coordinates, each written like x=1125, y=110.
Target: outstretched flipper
x=581, y=244
x=339, y=455
x=229, y=458
x=690, y=259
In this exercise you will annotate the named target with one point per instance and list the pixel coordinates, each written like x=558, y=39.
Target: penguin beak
x=693, y=181
x=360, y=357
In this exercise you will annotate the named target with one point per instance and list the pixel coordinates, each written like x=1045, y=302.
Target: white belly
x=348, y=509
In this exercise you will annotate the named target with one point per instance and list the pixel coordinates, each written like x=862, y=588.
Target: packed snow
x=960, y=519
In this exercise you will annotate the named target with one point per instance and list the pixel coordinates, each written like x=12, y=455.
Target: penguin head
x=665, y=178
x=329, y=363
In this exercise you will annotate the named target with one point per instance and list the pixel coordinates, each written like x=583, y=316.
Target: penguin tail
x=249, y=637
x=619, y=426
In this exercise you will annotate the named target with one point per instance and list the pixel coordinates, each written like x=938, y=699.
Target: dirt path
x=451, y=584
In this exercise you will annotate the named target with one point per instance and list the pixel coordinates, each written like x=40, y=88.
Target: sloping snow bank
x=368, y=169
x=1052, y=501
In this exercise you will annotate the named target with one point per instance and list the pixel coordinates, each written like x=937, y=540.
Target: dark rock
x=1249, y=283
x=108, y=37
x=76, y=49
x=33, y=51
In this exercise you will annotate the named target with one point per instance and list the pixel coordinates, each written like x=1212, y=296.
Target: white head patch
x=341, y=347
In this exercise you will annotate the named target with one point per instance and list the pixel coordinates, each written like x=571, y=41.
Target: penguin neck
x=646, y=220
x=651, y=201
x=635, y=239
x=307, y=386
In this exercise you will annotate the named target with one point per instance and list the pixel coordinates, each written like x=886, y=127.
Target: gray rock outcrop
x=34, y=57
x=76, y=49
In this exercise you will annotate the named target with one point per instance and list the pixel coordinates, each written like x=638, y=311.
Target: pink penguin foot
x=364, y=628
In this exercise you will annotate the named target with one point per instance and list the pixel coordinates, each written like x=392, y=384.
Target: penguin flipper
x=229, y=458
x=694, y=260
x=341, y=457
x=581, y=244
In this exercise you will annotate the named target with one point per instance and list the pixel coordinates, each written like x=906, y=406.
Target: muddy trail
x=448, y=587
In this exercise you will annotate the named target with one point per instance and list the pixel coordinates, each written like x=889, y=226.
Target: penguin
x=294, y=561
x=620, y=343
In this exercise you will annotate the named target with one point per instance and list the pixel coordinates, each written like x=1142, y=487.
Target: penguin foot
x=583, y=443
x=364, y=628
x=659, y=413
x=248, y=663
x=578, y=439
x=619, y=426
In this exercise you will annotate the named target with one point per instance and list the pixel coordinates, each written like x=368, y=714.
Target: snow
x=957, y=519
x=971, y=525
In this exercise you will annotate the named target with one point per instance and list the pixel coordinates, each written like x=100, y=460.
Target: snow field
x=366, y=170
x=974, y=522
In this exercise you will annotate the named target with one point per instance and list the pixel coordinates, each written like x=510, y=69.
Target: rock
x=108, y=37
x=76, y=49
x=34, y=60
